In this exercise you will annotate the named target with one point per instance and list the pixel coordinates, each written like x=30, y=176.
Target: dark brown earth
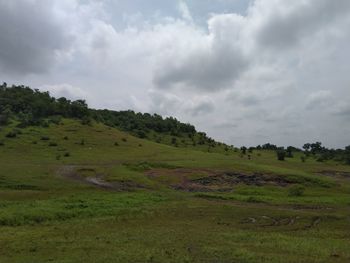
x=267, y=221
x=211, y=180
x=336, y=174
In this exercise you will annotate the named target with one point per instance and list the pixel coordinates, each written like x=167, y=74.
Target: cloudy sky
x=246, y=72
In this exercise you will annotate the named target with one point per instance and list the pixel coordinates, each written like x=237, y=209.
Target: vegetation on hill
x=35, y=108
x=77, y=185
x=71, y=192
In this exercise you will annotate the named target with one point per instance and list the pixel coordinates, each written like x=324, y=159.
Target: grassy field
x=74, y=193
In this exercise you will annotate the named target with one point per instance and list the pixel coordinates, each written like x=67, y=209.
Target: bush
x=11, y=134
x=116, y=144
x=281, y=154
x=303, y=159
x=53, y=144
x=82, y=142
x=34, y=142
x=65, y=138
x=55, y=119
x=45, y=138
x=86, y=120
x=67, y=154
x=173, y=140
x=2, y=143
x=124, y=140
x=296, y=190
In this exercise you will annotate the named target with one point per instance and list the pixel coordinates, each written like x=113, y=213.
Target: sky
x=246, y=72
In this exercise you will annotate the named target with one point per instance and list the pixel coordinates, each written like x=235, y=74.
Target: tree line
x=33, y=107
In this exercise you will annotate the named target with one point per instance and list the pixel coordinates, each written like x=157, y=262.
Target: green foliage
x=11, y=134
x=281, y=154
x=296, y=190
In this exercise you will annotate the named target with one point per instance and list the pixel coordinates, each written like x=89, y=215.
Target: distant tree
x=289, y=152
x=347, y=155
x=244, y=150
x=173, y=140
x=281, y=154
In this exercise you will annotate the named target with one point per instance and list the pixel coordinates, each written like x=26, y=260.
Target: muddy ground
x=210, y=180
x=336, y=174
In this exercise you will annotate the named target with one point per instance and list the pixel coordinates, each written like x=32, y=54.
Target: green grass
x=49, y=213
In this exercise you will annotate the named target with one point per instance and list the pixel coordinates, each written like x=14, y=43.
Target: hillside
x=76, y=189
x=35, y=108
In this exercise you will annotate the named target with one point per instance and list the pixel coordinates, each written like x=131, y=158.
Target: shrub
x=65, y=138
x=303, y=159
x=2, y=143
x=253, y=199
x=44, y=124
x=67, y=154
x=55, y=119
x=45, y=138
x=296, y=190
x=11, y=134
x=140, y=145
x=116, y=144
x=86, y=120
x=58, y=157
x=82, y=142
x=173, y=140
x=34, y=142
x=124, y=140
x=53, y=144
x=281, y=154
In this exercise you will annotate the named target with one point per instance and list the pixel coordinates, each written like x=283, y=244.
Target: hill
x=35, y=108
x=76, y=189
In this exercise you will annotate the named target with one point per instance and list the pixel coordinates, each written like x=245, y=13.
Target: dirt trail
x=97, y=180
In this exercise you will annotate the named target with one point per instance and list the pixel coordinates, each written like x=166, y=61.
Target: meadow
x=91, y=193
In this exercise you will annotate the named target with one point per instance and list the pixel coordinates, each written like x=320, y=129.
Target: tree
x=244, y=150
x=281, y=154
x=289, y=152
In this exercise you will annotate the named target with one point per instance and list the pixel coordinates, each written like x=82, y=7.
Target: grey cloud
x=211, y=70
x=30, y=35
x=202, y=108
x=319, y=100
x=288, y=24
x=270, y=60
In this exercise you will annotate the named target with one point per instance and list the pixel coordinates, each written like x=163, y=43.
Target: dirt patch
x=89, y=176
x=206, y=180
x=336, y=174
x=270, y=221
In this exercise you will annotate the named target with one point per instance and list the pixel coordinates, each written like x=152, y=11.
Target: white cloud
x=277, y=72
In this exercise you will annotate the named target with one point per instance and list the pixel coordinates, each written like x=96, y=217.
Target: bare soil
x=211, y=180
x=73, y=172
x=336, y=174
